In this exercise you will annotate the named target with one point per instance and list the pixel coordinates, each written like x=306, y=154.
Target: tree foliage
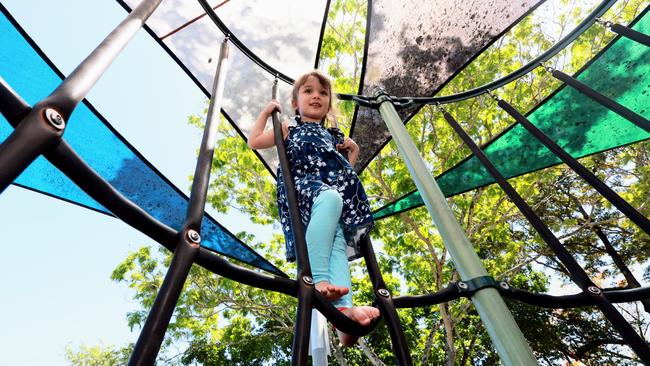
x=219, y=321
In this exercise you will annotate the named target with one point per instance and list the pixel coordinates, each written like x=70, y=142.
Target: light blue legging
x=326, y=244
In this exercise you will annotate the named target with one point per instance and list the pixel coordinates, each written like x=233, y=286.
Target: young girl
x=332, y=202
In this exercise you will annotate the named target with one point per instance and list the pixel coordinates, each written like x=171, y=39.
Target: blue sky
x=58, y=257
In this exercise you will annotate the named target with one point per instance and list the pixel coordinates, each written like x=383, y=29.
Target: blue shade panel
x=577, y=123
x=30, y=75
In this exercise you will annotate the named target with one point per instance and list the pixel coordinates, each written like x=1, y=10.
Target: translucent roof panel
x=284, y=34
x=26, y=70
x=578, y=124
x=415, y=47
x=248, y=86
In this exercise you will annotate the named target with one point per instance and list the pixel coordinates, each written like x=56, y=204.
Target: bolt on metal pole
x=189, y=238
x=508, y=340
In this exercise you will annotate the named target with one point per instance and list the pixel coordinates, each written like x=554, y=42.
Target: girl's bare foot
x=360, y=314
x=331, y=292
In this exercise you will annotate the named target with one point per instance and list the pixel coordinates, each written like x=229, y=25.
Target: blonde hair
x=330, y=119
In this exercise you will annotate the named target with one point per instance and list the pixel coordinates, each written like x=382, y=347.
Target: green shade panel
x=578, y=124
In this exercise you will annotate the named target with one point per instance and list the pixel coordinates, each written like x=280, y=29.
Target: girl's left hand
x=350, y=147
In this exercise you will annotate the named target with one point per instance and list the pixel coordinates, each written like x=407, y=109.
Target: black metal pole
x=188, y=240
x=305, y=281
x=577, y=273
x=588, y=176
x=75, y=87
x=66, y=159
x=386, y=305
x=45, y=124
x=36, y=133
x=627, y=32
x=603, y=100
x=12, y=106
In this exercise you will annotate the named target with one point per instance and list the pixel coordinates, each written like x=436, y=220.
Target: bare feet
x=331, y=292
x=360, y=314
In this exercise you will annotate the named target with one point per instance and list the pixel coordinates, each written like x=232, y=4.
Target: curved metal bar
x=448, y=293
x=341, y=321
x=241, y=46
x=452, y=292
x=554, y=50
x=575, y=300
x=218, y=265
x=74, y=167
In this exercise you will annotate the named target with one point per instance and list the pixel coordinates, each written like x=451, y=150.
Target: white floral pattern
x=317, y=166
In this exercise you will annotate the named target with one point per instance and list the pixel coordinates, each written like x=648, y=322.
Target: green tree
x=219, y=321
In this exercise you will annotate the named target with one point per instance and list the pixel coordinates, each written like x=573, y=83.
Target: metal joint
x=605, y=23
x=54, y=118
x=194, y=236
x=549, y=69
x=469, y=287
x=402, y=103
x=492, y=95
x=594, y=290
x=363, y=102
x=383, y=292
x=308, y=280
x=504, y=285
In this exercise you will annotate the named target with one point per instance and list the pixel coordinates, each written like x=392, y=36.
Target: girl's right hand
x=271, y=106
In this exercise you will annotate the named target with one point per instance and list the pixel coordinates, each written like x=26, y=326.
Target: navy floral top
x=317, y=166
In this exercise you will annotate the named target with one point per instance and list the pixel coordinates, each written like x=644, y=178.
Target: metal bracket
x=398, y=103
x=469, y=287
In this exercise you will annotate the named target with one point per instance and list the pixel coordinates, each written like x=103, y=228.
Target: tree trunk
x=336, y=350
x=372, y=356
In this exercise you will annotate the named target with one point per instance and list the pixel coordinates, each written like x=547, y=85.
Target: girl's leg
x=325, y=215
x=340, y=276
x=339, y=268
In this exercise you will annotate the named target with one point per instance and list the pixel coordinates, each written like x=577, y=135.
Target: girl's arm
x=260, y=139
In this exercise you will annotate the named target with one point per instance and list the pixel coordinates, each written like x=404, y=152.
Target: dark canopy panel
x=30, y=74
x=578, y=124
x=415, y=47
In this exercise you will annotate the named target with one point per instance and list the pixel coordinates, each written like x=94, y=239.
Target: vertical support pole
x=504, y=332
x=187, y=245
x=386, y=305
x=300, y=345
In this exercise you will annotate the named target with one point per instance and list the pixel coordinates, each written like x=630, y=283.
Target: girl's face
x=313, y=100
